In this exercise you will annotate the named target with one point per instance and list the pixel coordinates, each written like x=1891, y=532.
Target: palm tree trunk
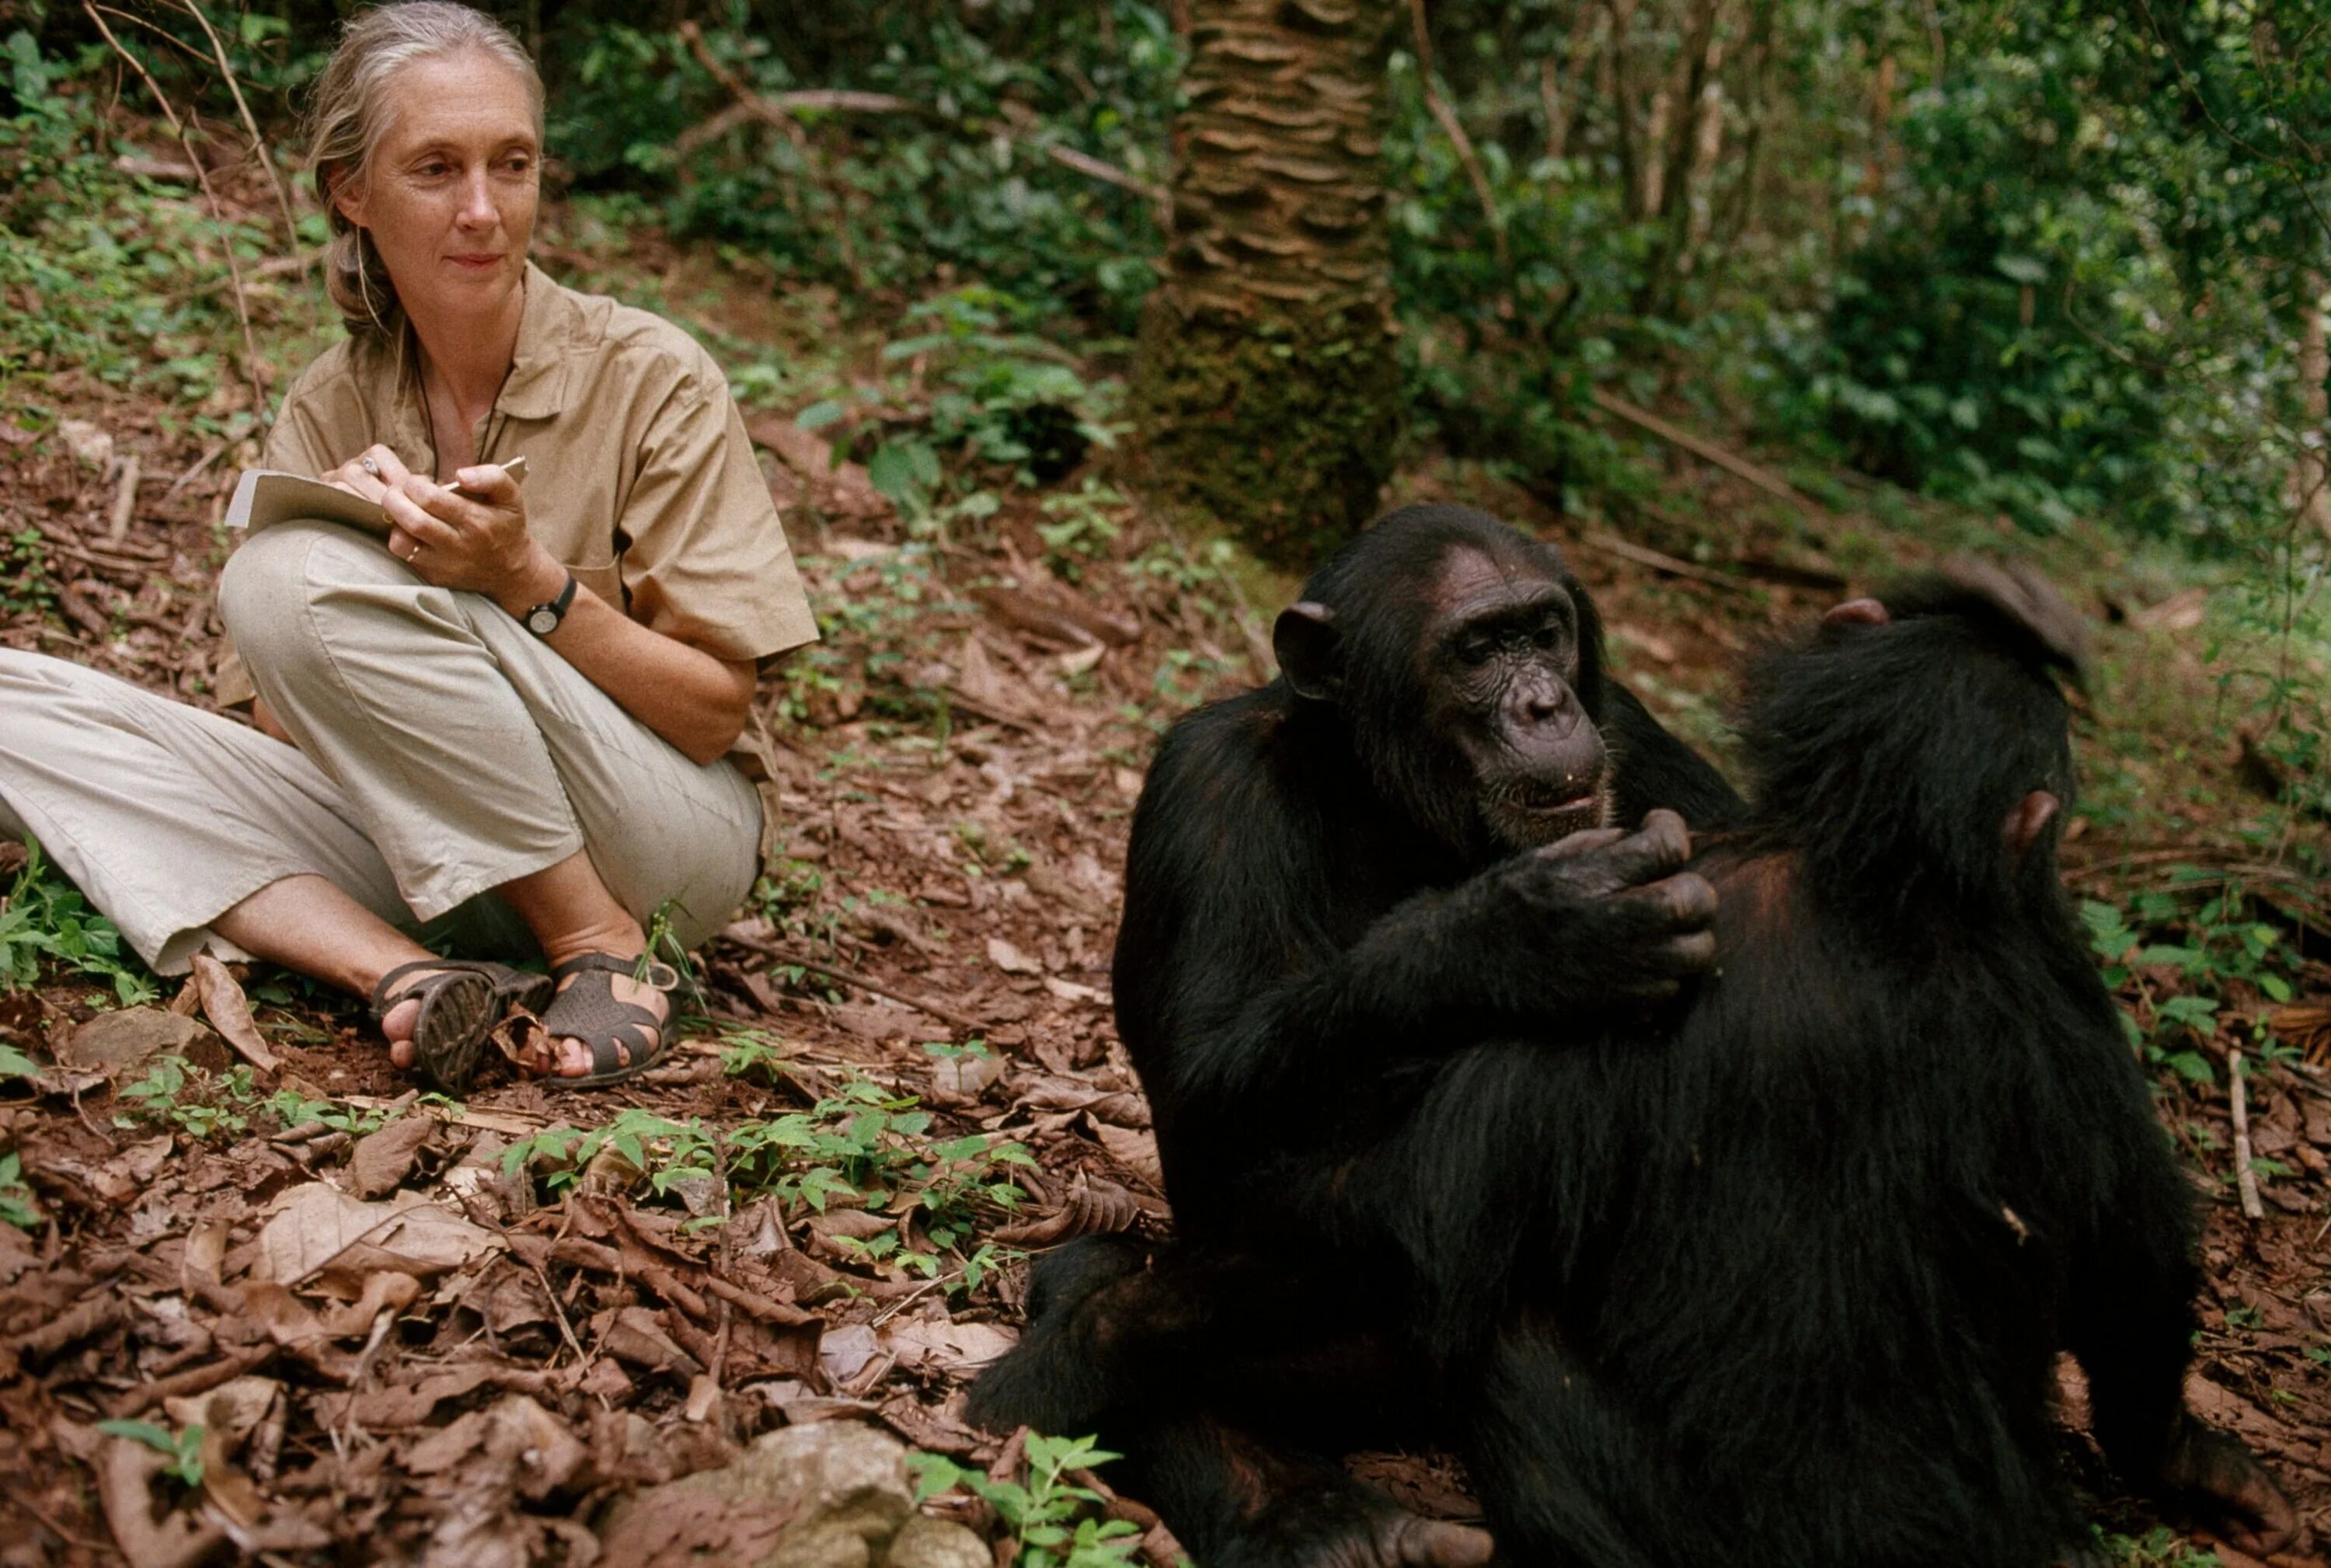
x=1268, y=378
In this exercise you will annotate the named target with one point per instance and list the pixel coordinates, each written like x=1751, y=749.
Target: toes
x=1436, y=1544
x=398, y=1024
x=402, y=1054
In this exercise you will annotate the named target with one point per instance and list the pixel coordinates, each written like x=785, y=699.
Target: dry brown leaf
x=316, y=1226
x=116, y=1043
x=1137, y=1152
x=1010, y=959
x=229, y=1011
x=381, y=1160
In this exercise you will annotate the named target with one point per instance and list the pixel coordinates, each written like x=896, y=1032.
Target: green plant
x=16, y=1205
x=183, y=1449
x=1051, y=1517
x=44, y=916
x=175, y=1093
x=661, y=1150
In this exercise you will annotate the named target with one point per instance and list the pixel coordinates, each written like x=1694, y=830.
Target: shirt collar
x=537, y=385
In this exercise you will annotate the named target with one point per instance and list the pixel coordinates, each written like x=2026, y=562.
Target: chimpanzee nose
x=1548, y=706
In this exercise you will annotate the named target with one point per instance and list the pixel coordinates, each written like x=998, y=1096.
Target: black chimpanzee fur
x=1334, y=885
x=1777, y=1279
x=1318, y=902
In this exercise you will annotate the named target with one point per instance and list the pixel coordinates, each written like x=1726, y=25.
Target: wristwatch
x=544, y=619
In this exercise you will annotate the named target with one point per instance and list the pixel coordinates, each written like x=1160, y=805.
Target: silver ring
x=369, y=466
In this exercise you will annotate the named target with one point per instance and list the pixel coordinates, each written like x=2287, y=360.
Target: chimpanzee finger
x=1586, y=865
x=1584, y=842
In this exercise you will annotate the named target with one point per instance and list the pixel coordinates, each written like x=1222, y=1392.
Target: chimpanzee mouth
x=1529, y=811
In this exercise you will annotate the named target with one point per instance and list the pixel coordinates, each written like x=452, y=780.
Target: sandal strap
x=380, y=991
x=654, y=972
x=503, y=977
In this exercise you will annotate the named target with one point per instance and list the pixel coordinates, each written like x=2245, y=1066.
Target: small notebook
x=266, y=496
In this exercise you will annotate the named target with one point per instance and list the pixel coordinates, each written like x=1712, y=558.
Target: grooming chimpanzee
x=1337, y=880
x=1334, y=885
x=1781, y=1280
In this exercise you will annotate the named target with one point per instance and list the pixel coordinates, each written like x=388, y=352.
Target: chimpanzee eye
x=1476, y=647
x=1547, y=637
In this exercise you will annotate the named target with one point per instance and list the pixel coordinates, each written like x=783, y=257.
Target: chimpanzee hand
x=2227, y=1486
x=1607, y=916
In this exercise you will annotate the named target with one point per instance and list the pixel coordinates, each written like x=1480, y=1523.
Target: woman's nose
x=478, y=209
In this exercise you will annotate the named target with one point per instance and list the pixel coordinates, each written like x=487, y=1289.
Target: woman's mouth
x=476, y=263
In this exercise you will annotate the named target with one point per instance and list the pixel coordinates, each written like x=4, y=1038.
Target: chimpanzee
x=1334, y=885
x=1780, y=1278
x=1337, y=880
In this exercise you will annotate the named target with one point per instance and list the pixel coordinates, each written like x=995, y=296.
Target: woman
x=525, y=716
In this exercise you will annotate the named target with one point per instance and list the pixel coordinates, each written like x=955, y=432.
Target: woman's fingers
x=424, y=523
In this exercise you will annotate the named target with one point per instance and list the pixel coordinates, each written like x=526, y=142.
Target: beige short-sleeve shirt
x=639, y=476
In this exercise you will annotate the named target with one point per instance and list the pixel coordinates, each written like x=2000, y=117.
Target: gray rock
x=831, y=1494
x=923, y=1541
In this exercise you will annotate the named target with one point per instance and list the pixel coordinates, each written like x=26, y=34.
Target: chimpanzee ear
x=2027, y=821
x=1856, y=613
x=1309, y=651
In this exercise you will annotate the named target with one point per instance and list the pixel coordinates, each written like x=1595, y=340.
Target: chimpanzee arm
x=1653, y=768
x=2129, y=1320
x=1239, y=977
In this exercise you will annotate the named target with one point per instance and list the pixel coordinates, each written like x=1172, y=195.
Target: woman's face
x=450, y=196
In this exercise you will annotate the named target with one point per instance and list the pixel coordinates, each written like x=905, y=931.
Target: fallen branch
x=2245, y=1179
x=1731, y=462
x=784, y=955
x=1611, y=544
x=194, y=1380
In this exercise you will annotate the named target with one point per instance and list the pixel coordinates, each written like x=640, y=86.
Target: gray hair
x=350, y=116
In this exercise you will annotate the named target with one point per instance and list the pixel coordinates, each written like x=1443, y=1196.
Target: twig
x=1611, y=544
x=1731, y=462
x=2245, y=1179
x=851, y=977
x=125, y=499
x=1454, y=129
x=210, y=196
x=194, y=1380
x=258, y=142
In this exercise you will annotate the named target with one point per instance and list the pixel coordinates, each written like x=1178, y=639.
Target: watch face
x=542, y=620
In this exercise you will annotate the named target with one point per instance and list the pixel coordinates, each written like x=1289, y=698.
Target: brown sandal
x=587, y=1010
x=461, y=1000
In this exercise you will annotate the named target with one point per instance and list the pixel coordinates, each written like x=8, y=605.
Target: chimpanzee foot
x=1391, y=1537
x=1404, y=1540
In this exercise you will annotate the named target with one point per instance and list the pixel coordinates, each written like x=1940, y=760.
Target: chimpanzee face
x=1501, y=657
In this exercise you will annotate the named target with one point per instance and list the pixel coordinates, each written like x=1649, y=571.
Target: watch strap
x=544, y=619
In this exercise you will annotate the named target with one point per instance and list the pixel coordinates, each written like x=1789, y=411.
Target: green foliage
x=1050, y=1517
x=960, y=175
x=44, y=918
x=106, y=273
x=2218, y=946
x=2158, y=1547
x=183, y=1449
x=176, y=1094
x=861, y=1146
x=16, y=1205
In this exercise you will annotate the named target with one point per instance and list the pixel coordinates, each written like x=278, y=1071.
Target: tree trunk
x=1268, y=378
x=2310, y=476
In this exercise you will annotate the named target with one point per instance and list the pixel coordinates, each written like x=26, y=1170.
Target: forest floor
x=358, y=1323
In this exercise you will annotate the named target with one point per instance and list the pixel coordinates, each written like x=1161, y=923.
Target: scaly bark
x=1268, y=378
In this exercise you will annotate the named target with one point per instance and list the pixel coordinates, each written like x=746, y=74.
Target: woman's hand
x=474, y=538
x=371, y=483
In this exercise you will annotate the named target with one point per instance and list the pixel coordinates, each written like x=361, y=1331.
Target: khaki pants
x=443, y=751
